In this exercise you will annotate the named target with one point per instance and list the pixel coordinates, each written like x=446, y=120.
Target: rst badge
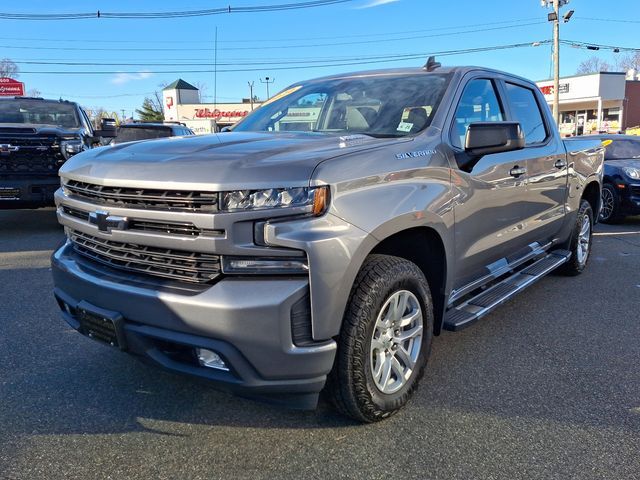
x=106, y=223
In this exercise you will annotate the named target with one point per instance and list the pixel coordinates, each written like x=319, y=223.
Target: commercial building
x=599, y=102
x=182, y=103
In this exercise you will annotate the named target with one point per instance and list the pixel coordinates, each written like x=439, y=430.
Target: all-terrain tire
x=577, y=263
x=351, y=386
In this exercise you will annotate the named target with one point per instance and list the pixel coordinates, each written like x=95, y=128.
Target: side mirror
x=107, y=128
x=484, y=138
x=225, y=129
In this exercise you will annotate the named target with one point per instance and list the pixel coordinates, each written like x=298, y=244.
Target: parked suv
x=36, y=137
x=278, y=263
x=130, y=132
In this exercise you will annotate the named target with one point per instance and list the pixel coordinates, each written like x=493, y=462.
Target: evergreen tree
x=150, y=111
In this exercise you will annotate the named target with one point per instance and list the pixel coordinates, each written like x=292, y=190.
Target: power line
x=616, y=20
x=176, y=14
x=360, y=42
x=597, y=46
x=299, y=67
x=263, y=40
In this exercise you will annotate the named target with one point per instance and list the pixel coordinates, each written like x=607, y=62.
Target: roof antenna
x=431, y=64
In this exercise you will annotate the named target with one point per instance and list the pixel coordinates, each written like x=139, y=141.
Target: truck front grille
x=145, y=198
x=30, y=154
x=155, y=226
x=193, y=267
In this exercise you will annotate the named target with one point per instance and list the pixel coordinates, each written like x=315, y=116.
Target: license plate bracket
x=101, y=325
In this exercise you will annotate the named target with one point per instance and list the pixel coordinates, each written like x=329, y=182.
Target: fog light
x=210, y=359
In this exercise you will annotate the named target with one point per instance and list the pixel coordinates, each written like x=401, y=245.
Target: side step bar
x=475, y=308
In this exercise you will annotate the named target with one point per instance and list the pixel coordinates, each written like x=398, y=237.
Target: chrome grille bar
x=178, y=265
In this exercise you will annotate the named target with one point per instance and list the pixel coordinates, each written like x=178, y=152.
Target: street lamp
x=268, y=80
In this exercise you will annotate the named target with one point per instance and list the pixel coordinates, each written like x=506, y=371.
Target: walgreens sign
x=11, y=88
x=216, y=114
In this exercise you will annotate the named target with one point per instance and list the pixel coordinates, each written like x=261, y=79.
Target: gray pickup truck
x=325, y=240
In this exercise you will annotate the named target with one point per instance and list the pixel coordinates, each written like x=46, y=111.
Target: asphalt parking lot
x=546, y=387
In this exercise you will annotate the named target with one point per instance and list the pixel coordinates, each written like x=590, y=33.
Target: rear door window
x=526, y=111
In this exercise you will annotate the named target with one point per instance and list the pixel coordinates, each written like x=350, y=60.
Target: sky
x=287, y=46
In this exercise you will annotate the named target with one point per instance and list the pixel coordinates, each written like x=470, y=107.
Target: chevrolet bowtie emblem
x=107, y=223
x=8, y=148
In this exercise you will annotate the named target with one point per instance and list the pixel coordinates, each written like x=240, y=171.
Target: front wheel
x=581, y=241
x=385, y=339
x=609, y=213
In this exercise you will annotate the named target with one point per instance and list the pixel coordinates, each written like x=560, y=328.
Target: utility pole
x=556, y=62
x=268, y=80
x=251, y=94
x=555, y=18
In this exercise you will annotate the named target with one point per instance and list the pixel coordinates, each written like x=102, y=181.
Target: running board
x=475, y=308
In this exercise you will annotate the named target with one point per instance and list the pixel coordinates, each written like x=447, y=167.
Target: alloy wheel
x=584, y=240
x=396, y=341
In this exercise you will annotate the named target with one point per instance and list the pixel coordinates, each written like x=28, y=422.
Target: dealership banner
x=11, y=88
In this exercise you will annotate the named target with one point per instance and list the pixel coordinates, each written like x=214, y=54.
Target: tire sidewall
x=393, y=401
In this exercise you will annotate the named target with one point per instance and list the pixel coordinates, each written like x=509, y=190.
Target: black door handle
x=517, y=171
x=560, y=163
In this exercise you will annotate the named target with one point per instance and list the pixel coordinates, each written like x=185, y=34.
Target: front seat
x=419, y=118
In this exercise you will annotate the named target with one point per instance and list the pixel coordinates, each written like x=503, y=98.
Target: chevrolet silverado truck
x=36, y=137
x=323, y=242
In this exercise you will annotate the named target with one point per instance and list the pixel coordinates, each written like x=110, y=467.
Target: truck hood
x=37, y=128
x=228, y=161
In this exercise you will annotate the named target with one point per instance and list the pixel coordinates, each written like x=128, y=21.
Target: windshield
x=622, y=149
x=39, y=112
x=131, y=134
x=379, y=106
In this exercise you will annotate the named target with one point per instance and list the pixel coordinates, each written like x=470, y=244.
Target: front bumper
x=629, y=199
x=246, y=320
x=27, y=192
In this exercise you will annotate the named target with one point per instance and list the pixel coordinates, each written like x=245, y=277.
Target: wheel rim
x=396, y=341
x=584, y=240
x=607, y=204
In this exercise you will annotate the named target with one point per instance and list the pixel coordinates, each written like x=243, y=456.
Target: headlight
x=316, y=198
x=264, y=266
x=70, y=146
x=632, y=172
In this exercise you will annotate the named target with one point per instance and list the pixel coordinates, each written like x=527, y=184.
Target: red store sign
x=11, y=88
x=216, y=114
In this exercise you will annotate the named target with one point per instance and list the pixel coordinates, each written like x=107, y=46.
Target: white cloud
x=377, y=3
x=122, y=77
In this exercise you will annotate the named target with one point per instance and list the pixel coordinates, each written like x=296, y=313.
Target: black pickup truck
x=36, y=137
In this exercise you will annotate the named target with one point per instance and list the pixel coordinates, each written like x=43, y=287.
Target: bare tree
x=8, y=68
x=203, y=89
x=593, y=65
x=629, y=61
x=34, y=92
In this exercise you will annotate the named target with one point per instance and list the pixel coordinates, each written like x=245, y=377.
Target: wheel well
x=592, y=195
x=422, y=246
